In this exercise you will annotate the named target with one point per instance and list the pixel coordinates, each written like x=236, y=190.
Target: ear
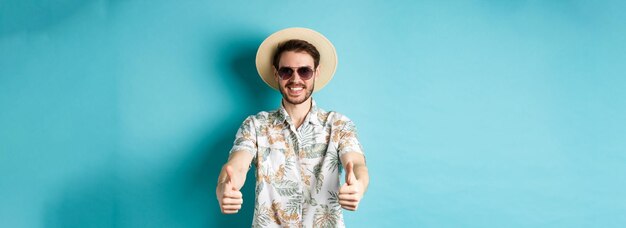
x=275, y=74
x=317, y=71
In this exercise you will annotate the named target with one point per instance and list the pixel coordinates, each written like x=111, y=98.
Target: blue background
x=472, y=113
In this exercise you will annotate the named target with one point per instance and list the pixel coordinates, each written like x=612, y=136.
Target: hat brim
x=328, y=55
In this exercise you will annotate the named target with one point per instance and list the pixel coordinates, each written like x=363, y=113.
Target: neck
x=298, y=112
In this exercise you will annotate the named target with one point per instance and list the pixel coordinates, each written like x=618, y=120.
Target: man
x=299, y=149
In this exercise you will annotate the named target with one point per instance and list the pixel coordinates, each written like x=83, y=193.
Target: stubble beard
x=293, y=101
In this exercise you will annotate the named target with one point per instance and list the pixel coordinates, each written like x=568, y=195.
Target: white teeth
x=296, y=89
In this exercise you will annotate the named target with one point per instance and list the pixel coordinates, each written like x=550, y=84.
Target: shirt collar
x=311, y=117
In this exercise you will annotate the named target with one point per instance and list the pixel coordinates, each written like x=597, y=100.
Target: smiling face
x=295, y=89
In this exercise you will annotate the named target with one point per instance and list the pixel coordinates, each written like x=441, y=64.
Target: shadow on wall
x=251, y=94
x=187, y=196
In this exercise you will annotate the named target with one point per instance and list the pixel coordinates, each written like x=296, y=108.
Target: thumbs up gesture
x=351, y=192
x=228, y=194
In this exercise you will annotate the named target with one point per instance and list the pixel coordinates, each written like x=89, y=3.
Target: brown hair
x=297, y=46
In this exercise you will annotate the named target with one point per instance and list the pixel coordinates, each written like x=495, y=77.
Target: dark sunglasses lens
x=285, y=72
x=305, y=72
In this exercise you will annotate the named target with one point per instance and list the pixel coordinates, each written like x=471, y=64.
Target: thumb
x=350, y=177
x=229, y=175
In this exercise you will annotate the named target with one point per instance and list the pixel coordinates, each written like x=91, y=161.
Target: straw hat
x=328, y=55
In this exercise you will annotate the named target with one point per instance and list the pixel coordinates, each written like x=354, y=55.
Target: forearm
x=360, y=168
x=230, y=181
x=362, y=174
x=239, y=161
x=238, y=171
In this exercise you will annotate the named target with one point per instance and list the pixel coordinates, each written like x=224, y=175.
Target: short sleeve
x=348, y=140
x=245, y=139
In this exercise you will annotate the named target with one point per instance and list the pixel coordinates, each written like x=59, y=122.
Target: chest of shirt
x=282, y=143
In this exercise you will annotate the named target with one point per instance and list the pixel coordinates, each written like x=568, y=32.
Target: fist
x=228, y=194
x=351, y=192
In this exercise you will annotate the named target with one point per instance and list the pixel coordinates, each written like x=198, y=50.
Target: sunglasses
x=305, y=73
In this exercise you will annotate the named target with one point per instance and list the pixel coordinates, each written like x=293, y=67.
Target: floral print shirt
x=297, y=170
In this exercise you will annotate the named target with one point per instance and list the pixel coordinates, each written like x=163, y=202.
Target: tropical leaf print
x=333, y=197
x=264, y=152
x=289, y=164
x=259, y=188
x=309, y=199
x=314, y=151
x=262, y=216
x=326, y=216
x=294, y=204
x=333, y=161
x=307, y=135
x=322, y=116
x=286, y=187
x=319, y=176
x=298, y=172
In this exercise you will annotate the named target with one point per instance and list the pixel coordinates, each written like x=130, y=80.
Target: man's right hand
x=228, y=193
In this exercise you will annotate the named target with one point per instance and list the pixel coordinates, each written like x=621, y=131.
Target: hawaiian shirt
x=297, y=169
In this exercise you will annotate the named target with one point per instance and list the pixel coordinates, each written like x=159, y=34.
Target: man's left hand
x=351, y=192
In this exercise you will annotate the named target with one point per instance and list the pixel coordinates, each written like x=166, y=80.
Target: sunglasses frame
x=295, y=70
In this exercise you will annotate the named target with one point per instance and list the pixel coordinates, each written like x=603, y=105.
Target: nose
x=295, y=77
